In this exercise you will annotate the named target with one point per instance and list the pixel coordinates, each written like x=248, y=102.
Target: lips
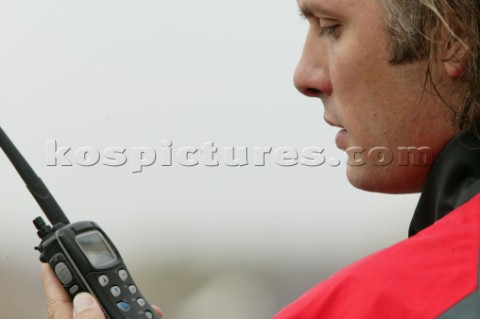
x=341, y=137
x=331, y=122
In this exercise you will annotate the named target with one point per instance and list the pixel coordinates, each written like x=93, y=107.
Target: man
x=392, y=75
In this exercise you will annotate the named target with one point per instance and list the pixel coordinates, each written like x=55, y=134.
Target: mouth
x=341, y=137
x=332, y=123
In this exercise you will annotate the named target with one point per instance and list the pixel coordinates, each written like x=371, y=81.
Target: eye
x=327, y=26
x=327, y=31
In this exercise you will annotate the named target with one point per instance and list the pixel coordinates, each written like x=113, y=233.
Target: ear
x=455, y=60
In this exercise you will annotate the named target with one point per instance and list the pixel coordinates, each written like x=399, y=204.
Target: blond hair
x=417, y=28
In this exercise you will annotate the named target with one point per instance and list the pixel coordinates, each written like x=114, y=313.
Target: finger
x=158, y=310
x=58, y=301
x=85, y=306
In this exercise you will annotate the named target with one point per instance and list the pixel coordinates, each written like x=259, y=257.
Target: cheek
x=359, y=99
x=359, y=64
x=355, y=72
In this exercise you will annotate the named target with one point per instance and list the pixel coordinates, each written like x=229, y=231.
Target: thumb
x=86, y=307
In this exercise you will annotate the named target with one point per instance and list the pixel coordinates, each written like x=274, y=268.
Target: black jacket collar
x=452, y=181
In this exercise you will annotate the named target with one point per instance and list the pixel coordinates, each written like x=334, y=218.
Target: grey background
x=210, y=242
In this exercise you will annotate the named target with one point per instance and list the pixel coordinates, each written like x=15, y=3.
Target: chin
x=389, y=180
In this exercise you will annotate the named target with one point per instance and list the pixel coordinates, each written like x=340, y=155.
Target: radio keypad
x=116, y=285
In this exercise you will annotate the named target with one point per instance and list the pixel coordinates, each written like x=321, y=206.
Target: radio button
x=123, y=306
x=103, y=280
x=74, y=289
x=132, y=289
x=123, y=274
x=63, y=273
x=115, y=291
x=141, y=302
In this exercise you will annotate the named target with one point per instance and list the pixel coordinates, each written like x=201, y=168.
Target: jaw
x=389, y=179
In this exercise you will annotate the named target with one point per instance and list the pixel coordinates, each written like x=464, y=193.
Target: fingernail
x=82, y=301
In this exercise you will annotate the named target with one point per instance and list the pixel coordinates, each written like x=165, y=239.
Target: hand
x=60, y=306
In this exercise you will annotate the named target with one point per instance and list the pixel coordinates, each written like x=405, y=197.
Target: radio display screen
x=97, y=249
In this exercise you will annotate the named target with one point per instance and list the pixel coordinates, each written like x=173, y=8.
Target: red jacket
x=434, y=273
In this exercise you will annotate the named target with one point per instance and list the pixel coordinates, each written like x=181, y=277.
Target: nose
x=311, y=76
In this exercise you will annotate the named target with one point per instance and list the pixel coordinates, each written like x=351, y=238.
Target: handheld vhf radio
x=81, y=254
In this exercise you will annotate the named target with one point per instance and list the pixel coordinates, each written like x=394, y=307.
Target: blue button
x=123, y=306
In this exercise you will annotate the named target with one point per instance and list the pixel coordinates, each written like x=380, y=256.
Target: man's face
x=375, y=104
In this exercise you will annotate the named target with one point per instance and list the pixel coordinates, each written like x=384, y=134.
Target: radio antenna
x=34, y=184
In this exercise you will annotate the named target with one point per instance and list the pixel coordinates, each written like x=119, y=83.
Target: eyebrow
x=308, y=10
x=305, y=11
